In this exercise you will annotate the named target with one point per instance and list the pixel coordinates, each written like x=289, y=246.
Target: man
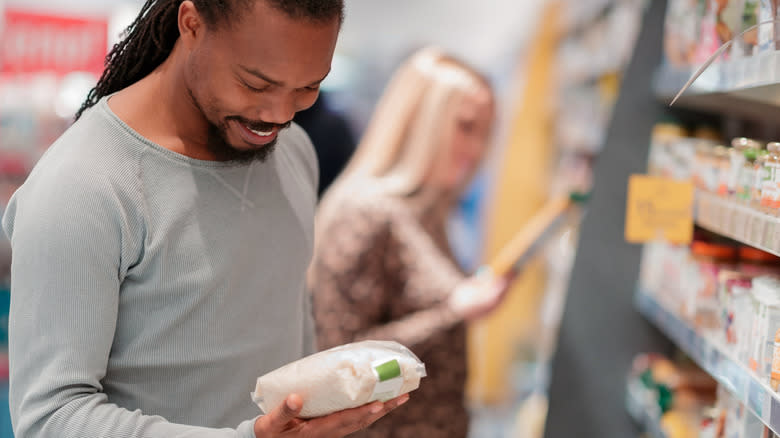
x=159, y=247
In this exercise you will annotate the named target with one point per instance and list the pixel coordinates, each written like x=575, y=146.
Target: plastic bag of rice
x=343, y=377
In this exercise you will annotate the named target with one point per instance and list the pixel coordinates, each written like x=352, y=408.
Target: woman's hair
x=408, y=129
x=149, y=40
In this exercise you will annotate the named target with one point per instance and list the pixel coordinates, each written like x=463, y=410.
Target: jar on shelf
x=722, y=170
x=760, y=175
x=769, y=190
x=746, y=174
x=666, y=135
x=736, y=163
x=700, y=291
x=704, y=166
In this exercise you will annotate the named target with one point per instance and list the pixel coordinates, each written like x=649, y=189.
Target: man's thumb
x=286, y=412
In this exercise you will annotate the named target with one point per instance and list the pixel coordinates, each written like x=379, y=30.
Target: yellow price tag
x=659, y=208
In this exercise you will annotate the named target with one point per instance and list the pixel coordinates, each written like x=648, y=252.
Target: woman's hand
x=479, y=295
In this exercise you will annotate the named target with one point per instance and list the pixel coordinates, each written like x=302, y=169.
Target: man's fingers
x=376, y=411
x=352, y=420
x=286, y=412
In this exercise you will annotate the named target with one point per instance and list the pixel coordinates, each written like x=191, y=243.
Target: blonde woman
x=382, y=266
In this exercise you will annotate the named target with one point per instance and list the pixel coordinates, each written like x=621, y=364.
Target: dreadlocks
x=149, y=40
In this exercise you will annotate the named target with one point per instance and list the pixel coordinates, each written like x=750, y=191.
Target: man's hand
x=284, y=422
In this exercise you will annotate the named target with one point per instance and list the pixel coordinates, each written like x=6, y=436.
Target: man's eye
x=255, y=89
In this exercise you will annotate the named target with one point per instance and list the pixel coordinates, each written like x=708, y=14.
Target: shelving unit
x=739, y=93
x=738, y=221
x=713, y=358
x=747, y=88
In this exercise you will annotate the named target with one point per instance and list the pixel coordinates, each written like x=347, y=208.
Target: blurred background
x=581, y=346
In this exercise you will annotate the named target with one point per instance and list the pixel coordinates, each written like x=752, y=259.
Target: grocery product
x=704, y=176
x=734, y=304
x=709, y=259
x=755, y=347
x=343, y=377
x=708, y=42
x=736, y=163
x=665, y=137
x=774, y=378
x=767, y=292
x=744, y=45
x=760, y=175
x=766, y=31
x=742, y=168
x=722, y=170
x=681, y=31
x=769, y=188
x=728, y=19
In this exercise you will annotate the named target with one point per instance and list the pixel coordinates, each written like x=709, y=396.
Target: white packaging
x=756, y=326
x=343, y=377
x=743, y=315
x=767, y=291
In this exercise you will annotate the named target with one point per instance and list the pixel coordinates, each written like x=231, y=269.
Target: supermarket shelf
x=738, y=222
x=705, y=351
x=642, y=408
x=748, y=88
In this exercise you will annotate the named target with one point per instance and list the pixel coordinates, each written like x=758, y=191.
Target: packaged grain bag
x=343, y=377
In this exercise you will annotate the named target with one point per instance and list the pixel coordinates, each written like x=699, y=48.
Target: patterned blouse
x=381, y=272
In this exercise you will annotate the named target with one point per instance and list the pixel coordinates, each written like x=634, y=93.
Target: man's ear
x=191, y=23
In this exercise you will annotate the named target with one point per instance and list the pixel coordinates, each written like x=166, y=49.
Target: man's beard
x=222, y=150
x=217, y=142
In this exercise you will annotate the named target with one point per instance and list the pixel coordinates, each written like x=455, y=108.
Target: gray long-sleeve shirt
x=149, y=290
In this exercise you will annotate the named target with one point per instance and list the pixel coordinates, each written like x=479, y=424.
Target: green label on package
x=388, y=379
x=388, y=370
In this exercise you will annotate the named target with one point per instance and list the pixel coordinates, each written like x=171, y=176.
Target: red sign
x=33, y=42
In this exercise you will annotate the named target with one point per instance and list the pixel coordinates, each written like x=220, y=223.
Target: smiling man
x=160, y=245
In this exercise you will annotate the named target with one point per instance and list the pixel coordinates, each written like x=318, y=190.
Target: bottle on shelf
x=704, y=169
x=766, y=31
x=769, y=192
x=736, y=163
x=722, y=170
x=743, y=168
x=760, y=174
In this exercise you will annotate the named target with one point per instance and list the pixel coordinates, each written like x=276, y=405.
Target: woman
x=382, y=266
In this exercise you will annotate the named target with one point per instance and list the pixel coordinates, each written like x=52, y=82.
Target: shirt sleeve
x=363, y=270
x=69, y=239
